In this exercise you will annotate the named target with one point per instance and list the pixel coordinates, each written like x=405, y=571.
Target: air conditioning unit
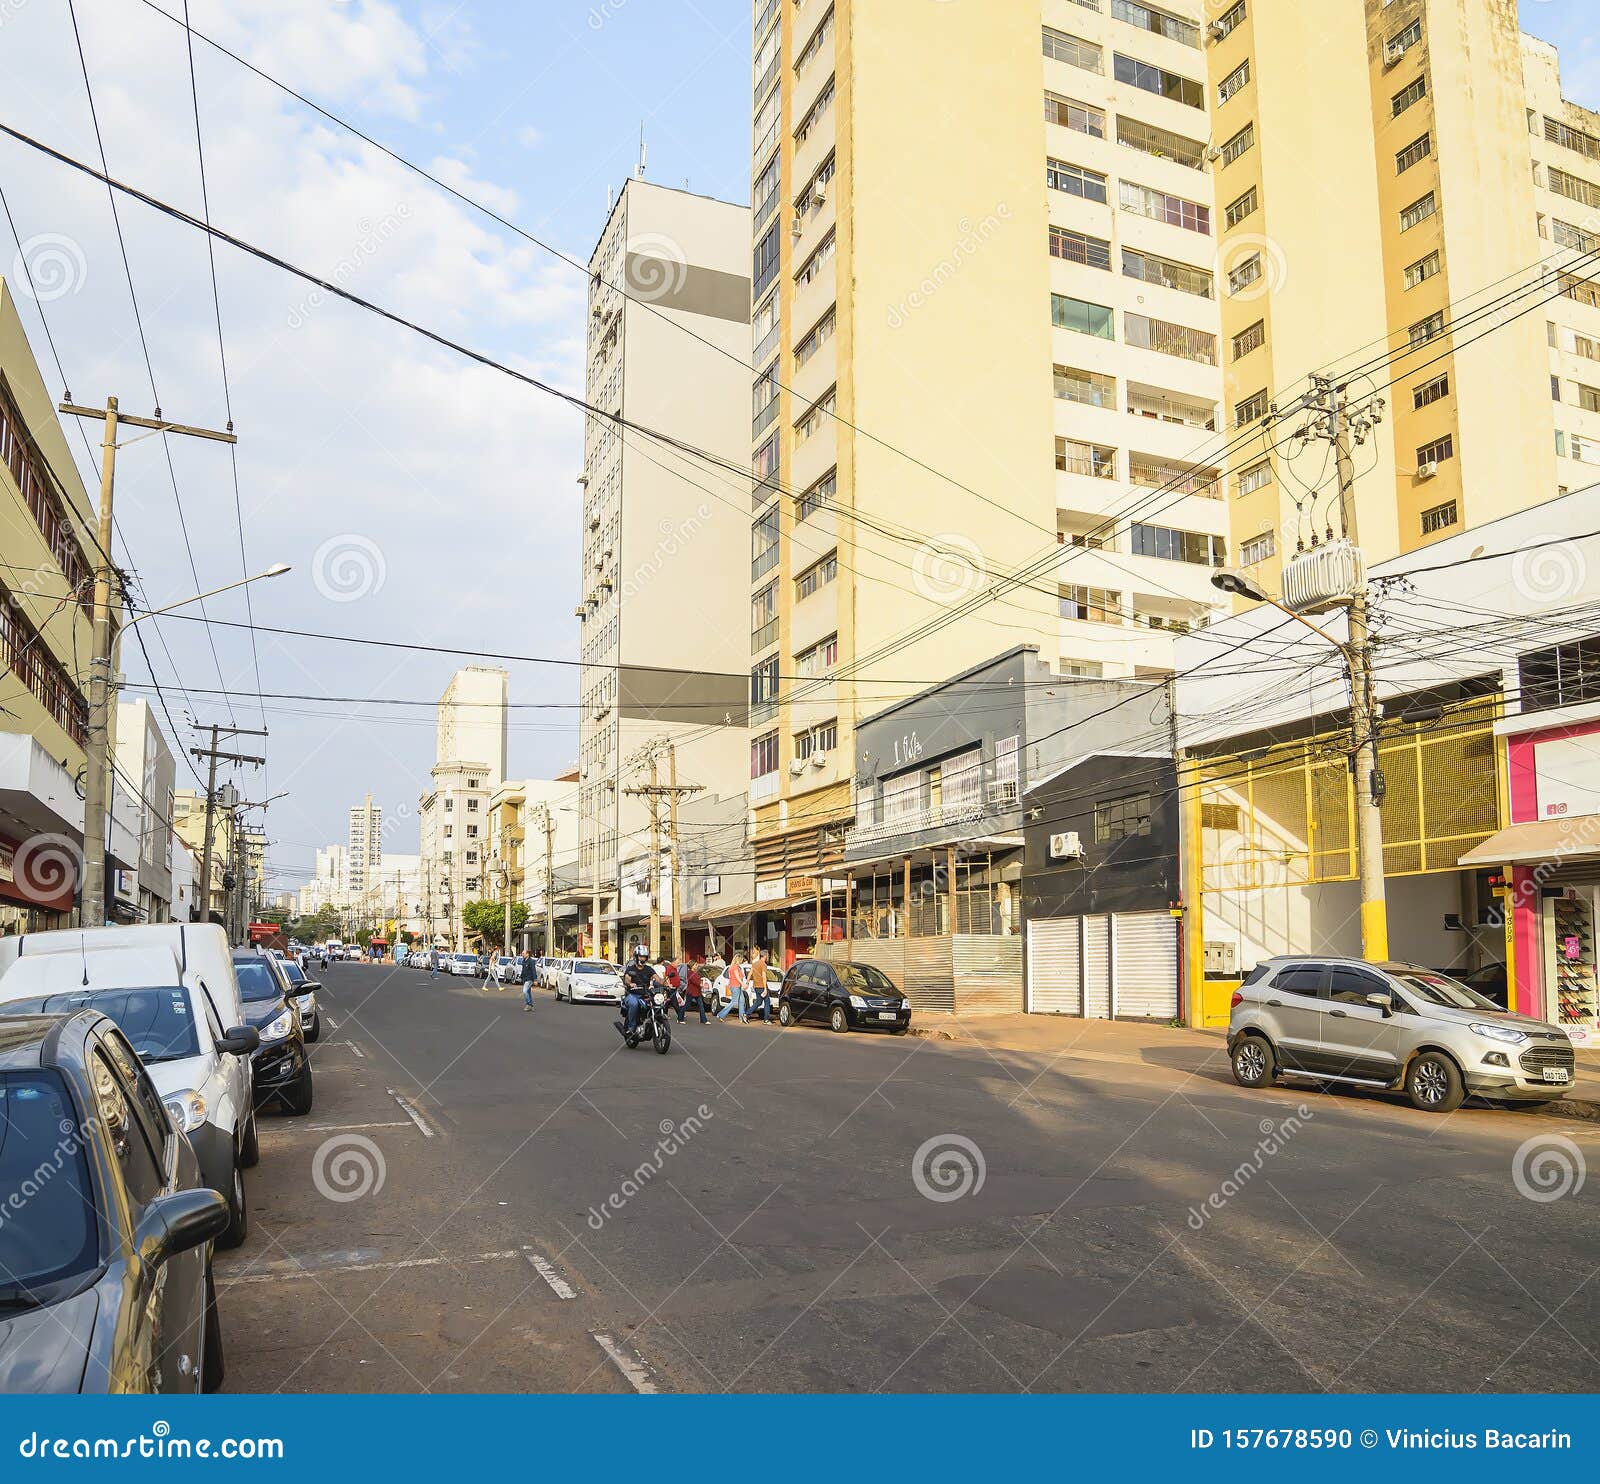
x=1392, y=54
x=797, y=767
x=819, y=760
x=580, y=611
x=1427, y=470
x=820, y=195
x=1213, y=154
x=799, y=227
x=1216, y=31
x=1067, y=846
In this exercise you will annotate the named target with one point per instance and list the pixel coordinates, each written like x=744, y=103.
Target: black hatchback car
x=281, y=1068
x=105, y=1229
x=847, y=997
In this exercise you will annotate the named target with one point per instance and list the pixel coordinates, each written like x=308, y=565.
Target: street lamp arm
x=274, y=571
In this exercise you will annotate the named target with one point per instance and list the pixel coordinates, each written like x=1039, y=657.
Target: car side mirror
x=178, y=1223
x=242, y=1040
x=1382, y=1002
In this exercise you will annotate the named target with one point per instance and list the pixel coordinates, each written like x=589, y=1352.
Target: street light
x=1369, y=781
x=276, y=570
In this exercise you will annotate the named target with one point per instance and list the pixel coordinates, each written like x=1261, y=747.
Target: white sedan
x=591, y=980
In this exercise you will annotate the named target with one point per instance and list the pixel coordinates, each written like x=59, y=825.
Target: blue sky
x=445, y=494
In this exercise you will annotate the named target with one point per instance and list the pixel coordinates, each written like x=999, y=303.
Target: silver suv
x=1392, y=1026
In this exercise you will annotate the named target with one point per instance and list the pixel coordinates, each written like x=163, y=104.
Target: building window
x=764, y=755
x=1422, y=270
x=1178, y=546
x=1437, y=451
x=817, y=576
x=1162, y=143
x=1251, y=339
x=1150, y=268
x=1073, y=457
x=820, y=334
x=818, y=260
x=1234, y=81
x=816, y=741
x=820, y=412
x=1088, y=387
x=1169, y=339
x=1563, y=675
x=1079, y=247
x=1429, y=392
x=1149, y=471
x=821, y=494
x=1240, y=209
x=1588, y=397
x=1075, y=180
x=1574, y=188
x=1247, y=273
x=1074, y=50
x=819, y=659
x=1148, y=18
x=1158, y=80
x=1257, y=476
x=1091, y=605
x=1566, y=235
x=1258, y=549
x=1427, y=329
x=1418, y=211
x=1413, y=154
x=1241, y=142
x=1585, y=450
x=764, y=681
x=766, y=260
x=1116, y=819
x=1073, y=115
x=1583, y=346
x=1161, y=207
x=764, y=544
x=764, y=618
x=816, y=113
x=1087, y=319
x=1412, y=92
x=1251, y=409
x=1439, y=518
x=1229, y=21
x=1398, y=46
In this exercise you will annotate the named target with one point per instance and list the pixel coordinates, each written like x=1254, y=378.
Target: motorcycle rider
x=639, y=981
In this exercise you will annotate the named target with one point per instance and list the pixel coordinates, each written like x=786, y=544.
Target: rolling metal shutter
x=1055, y=958
x=1097, y=968
x=1146, y=965
x=930, y=982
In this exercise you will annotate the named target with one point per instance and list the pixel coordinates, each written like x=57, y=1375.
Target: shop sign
x=802, y=886
x=804, y=924
x=770, y=891
x=1566, y=776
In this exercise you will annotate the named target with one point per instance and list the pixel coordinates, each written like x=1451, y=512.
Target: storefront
x=37, y=885
x=1550, y=856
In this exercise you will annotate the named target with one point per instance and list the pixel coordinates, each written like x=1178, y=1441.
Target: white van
x=171, y=990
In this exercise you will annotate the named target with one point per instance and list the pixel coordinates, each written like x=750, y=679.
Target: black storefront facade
x=1100, y=890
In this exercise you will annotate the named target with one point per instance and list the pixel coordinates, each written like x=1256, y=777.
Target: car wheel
x=298, y=1097
x=837, y=1019
x=1253, y=1062
x=1433, y=1083
x=238, y=1212
x=250, y=1145
x=212, y=1369
x=314, y=1030
x=785, y=1014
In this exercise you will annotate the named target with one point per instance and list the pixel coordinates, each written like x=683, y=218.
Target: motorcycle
x=653, y=1025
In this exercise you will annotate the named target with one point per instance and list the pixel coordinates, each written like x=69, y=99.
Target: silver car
x=1391, y=1026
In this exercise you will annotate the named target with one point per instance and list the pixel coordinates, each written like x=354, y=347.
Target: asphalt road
x=762, y=1210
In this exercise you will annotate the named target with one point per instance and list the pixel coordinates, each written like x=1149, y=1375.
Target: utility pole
x=672, y=846
x=96, y=747
x=550, y=882
x=213, y=756
x=655, y=791
x=655, y=864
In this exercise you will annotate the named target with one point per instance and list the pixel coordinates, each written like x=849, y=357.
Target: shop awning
x=1577, y=838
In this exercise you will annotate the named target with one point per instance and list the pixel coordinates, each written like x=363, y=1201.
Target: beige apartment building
x=1371, y=235
x=364, y=851
x=662, y=593
x=987, y=350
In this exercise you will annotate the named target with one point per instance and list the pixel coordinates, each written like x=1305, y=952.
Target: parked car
x=555, y=970
x=465, y=964
x=305, y=999
x=282, y=1068
x=592, y=980
x=846, y=996
x=200, y=1070
x=106, y=1264
x=1489, y=981
x=510, y=969
x=1391, y=1026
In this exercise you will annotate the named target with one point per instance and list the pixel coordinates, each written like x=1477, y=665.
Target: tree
x=488, y=920
x=326, y=922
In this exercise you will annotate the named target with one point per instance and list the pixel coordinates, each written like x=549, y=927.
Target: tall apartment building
x=364, y=852
x=986, y=322
x=1439, y=168
x=663, y=603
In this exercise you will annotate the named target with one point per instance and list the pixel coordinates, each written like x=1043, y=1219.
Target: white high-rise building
x=364, y=852
x=472, y=720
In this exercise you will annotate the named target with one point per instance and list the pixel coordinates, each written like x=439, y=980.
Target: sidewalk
x=1178, y=1049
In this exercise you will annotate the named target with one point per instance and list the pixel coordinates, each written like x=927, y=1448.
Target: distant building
x=364, y=852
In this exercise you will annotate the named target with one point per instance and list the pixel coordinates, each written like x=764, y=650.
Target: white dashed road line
x=298, y=1268
x=355, y=1046
x=344, y=1128
x=634, y=1371
x=547, y=1270
x=412, y=1114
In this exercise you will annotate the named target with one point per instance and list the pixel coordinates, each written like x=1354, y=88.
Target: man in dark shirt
x=638, y=983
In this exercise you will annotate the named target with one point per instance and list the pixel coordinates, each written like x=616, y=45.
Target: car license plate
x=887, y=1015
x=1556, y=1074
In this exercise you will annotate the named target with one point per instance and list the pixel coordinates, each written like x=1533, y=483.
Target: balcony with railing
x=982, y=803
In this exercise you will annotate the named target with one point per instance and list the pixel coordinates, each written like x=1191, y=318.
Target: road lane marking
x=344, y=1128
x=341, y=1262
x=412, y=1114
x=355, y=1046
x=634, y=1371
x=547, y=1270
x=333, y=1024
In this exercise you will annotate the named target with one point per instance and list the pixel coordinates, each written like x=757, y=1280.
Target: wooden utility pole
x=213, y=756
x=550, y=882
x=655, y=792
x=97, y=742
